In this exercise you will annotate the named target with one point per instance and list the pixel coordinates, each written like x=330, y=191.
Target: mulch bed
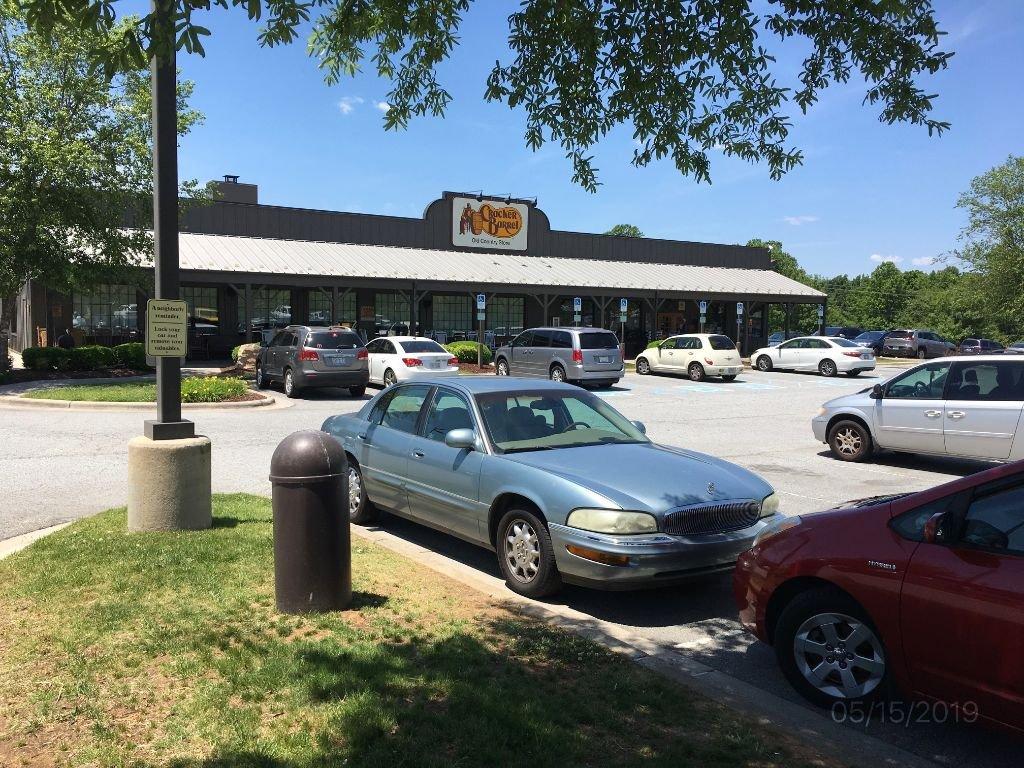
x=474, y=368
x=244, y=397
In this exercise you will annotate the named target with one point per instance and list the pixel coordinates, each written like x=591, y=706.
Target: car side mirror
x=933, y=528
x=640, y=426
x=461, y=439
x=877, y=392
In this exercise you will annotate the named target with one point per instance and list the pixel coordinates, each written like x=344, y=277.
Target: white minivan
x=949, y=407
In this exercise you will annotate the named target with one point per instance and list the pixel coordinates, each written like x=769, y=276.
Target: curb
x=18, y=543
x=20, y=401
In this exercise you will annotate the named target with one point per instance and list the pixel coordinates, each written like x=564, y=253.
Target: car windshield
x=840, y=342
x=333, y=340
x=901, y=334
x=1018, y=345
x=420, y=346
x=598, y=340
x=870, y=336
x=546, y=420
x=721, y=342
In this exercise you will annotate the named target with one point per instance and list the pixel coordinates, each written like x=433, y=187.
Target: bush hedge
x=655, y=343
x=211, y=390
x=466, y=351
x=85, y=358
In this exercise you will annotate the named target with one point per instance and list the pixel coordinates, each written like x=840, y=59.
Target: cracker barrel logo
x=502, y=222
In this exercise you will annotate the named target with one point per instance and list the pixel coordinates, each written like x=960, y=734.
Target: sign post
x=703, y=306
x=481, y=314
x=623, y=308
x=577, y=309
x=821, y=319
x=739, y=325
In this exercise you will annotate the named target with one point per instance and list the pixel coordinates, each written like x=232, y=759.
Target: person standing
x=66, y=340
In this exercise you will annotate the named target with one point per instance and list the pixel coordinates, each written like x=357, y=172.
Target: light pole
x=168, y=466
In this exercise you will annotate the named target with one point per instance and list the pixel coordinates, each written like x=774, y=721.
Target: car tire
x=922, y=354
x=360, y=510
x=557, y=373
x=729, y=377
x=695, y=372
x=828, y=368
x=806, y=624
x=261, y=380
x=291, y=389
x=389, y=378
x=357, y=391
x=850, y=441
x=764, y=363
x=643, y=366
x=526, y=556
x=854, y=374
x=501, y=369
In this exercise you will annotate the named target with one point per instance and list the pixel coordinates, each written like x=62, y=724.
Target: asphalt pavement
x=62, y=465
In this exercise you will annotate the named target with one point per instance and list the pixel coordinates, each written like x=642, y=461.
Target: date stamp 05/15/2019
x=905, y=714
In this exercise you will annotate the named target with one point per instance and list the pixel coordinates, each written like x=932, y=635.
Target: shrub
x=90, y=357
x=234, y=353
x=46, y=358
x=655, y=343
x=211, y=389
x=131, y=355
x=466, y=351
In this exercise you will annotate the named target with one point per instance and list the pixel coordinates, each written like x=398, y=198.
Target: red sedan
x=922, y=593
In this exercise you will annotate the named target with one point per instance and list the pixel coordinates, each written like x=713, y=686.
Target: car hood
x=858, y=399
x=648, y=477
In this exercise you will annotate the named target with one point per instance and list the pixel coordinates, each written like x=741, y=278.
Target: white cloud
x=796, y=221
x=349, y=103
x=879, y=258
x=383, y=106
x=923, y=261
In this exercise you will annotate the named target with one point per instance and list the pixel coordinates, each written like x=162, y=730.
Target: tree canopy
x=75, y=159
x=625, y=230
x=685, y=76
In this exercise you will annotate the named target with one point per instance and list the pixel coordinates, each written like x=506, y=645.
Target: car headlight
x=612, y=521
x=770, y=505
x=822, y=411
x=776, y=527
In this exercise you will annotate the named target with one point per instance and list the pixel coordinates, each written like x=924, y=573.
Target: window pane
x=203, y=313
x=721, y=343
x=404, y=409
x=107, y=313
x=392, y=313
x=320, y=308
x=926, y=383
x=271, y=308
x=452, y=315
x=561, y=339
x=986, y=381
x=599, y=341
x=421, y=346
x=997, y=521
x=333, y=340
x=448, y=412
x=505, y=316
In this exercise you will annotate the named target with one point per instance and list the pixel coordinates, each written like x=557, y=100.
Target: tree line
x=979, y=292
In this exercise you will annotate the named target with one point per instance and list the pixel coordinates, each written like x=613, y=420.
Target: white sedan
x=400, y=358
x=828, y=355
x=695, y=354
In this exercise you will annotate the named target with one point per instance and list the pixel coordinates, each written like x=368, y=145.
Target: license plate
x=438, y=364
x=865, y=357
x=339, y=360
x=603, y=358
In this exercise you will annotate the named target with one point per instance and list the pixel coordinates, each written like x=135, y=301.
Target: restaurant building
x=248, y=267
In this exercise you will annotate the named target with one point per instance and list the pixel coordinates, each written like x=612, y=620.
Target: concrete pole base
x=169, y=484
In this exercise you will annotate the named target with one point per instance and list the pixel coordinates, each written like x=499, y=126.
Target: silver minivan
x=577, y=355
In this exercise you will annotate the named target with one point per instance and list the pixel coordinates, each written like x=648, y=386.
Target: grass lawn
x=193, y=390
x=165, y=650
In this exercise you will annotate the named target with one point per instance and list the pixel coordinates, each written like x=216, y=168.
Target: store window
x=203, y=313
x=320, y=308
x=271, y=308
x=452, y=315
x=106, y=314
x=564, y=314
x=392, y=313
x=505, y=317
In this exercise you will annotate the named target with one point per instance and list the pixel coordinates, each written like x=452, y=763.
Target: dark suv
x=850, y=332
x=301, y=356
x=980, y=347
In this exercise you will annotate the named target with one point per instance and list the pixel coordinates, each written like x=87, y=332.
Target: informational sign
x=703, y=307
x=367, y=312
x=480, y=316
x=622, y=317
x=703, y=319
x=739, y=307
x=623, y=306
x=166, y=328
x=489, y=223
x=821, y=310
x=481, y=301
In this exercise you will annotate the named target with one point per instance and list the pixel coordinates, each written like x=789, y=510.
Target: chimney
x=231, y=191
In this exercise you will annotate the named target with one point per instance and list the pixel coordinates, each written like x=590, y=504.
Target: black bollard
x=312, y=547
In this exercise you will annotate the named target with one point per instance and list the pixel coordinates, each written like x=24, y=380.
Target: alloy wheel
x=355, y=491
x=848, y=441
x=502, y=369
x=922, y=354
x=764, y=364
x=696, y=372
x=839, y=655
x=289, y=385
x=389, y=378
x=827, y=368
x=643, y=367
x=259, y=377
x=522, y=551
x=557, y=374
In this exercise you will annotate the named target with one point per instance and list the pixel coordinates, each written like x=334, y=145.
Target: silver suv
x=577, y=355
x=917, y=343
x=301, y=356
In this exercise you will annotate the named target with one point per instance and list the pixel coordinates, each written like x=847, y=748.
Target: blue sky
x=866, y=191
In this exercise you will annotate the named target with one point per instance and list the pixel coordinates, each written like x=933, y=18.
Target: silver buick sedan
x=561, y=485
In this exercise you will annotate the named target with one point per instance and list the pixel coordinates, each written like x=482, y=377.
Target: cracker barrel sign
x=489, y=223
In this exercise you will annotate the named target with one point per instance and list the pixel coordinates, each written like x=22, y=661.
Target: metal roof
x=228, y=253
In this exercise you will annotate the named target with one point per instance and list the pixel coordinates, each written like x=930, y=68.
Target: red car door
x=962, y=606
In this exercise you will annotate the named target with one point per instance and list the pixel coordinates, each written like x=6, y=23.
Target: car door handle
x=956, y=414
x=933, y=414
x=417, y=454
x=361, y=435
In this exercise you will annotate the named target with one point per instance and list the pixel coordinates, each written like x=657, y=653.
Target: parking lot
x=66, y=464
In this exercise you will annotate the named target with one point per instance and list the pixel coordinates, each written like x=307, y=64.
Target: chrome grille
x=715, y=517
